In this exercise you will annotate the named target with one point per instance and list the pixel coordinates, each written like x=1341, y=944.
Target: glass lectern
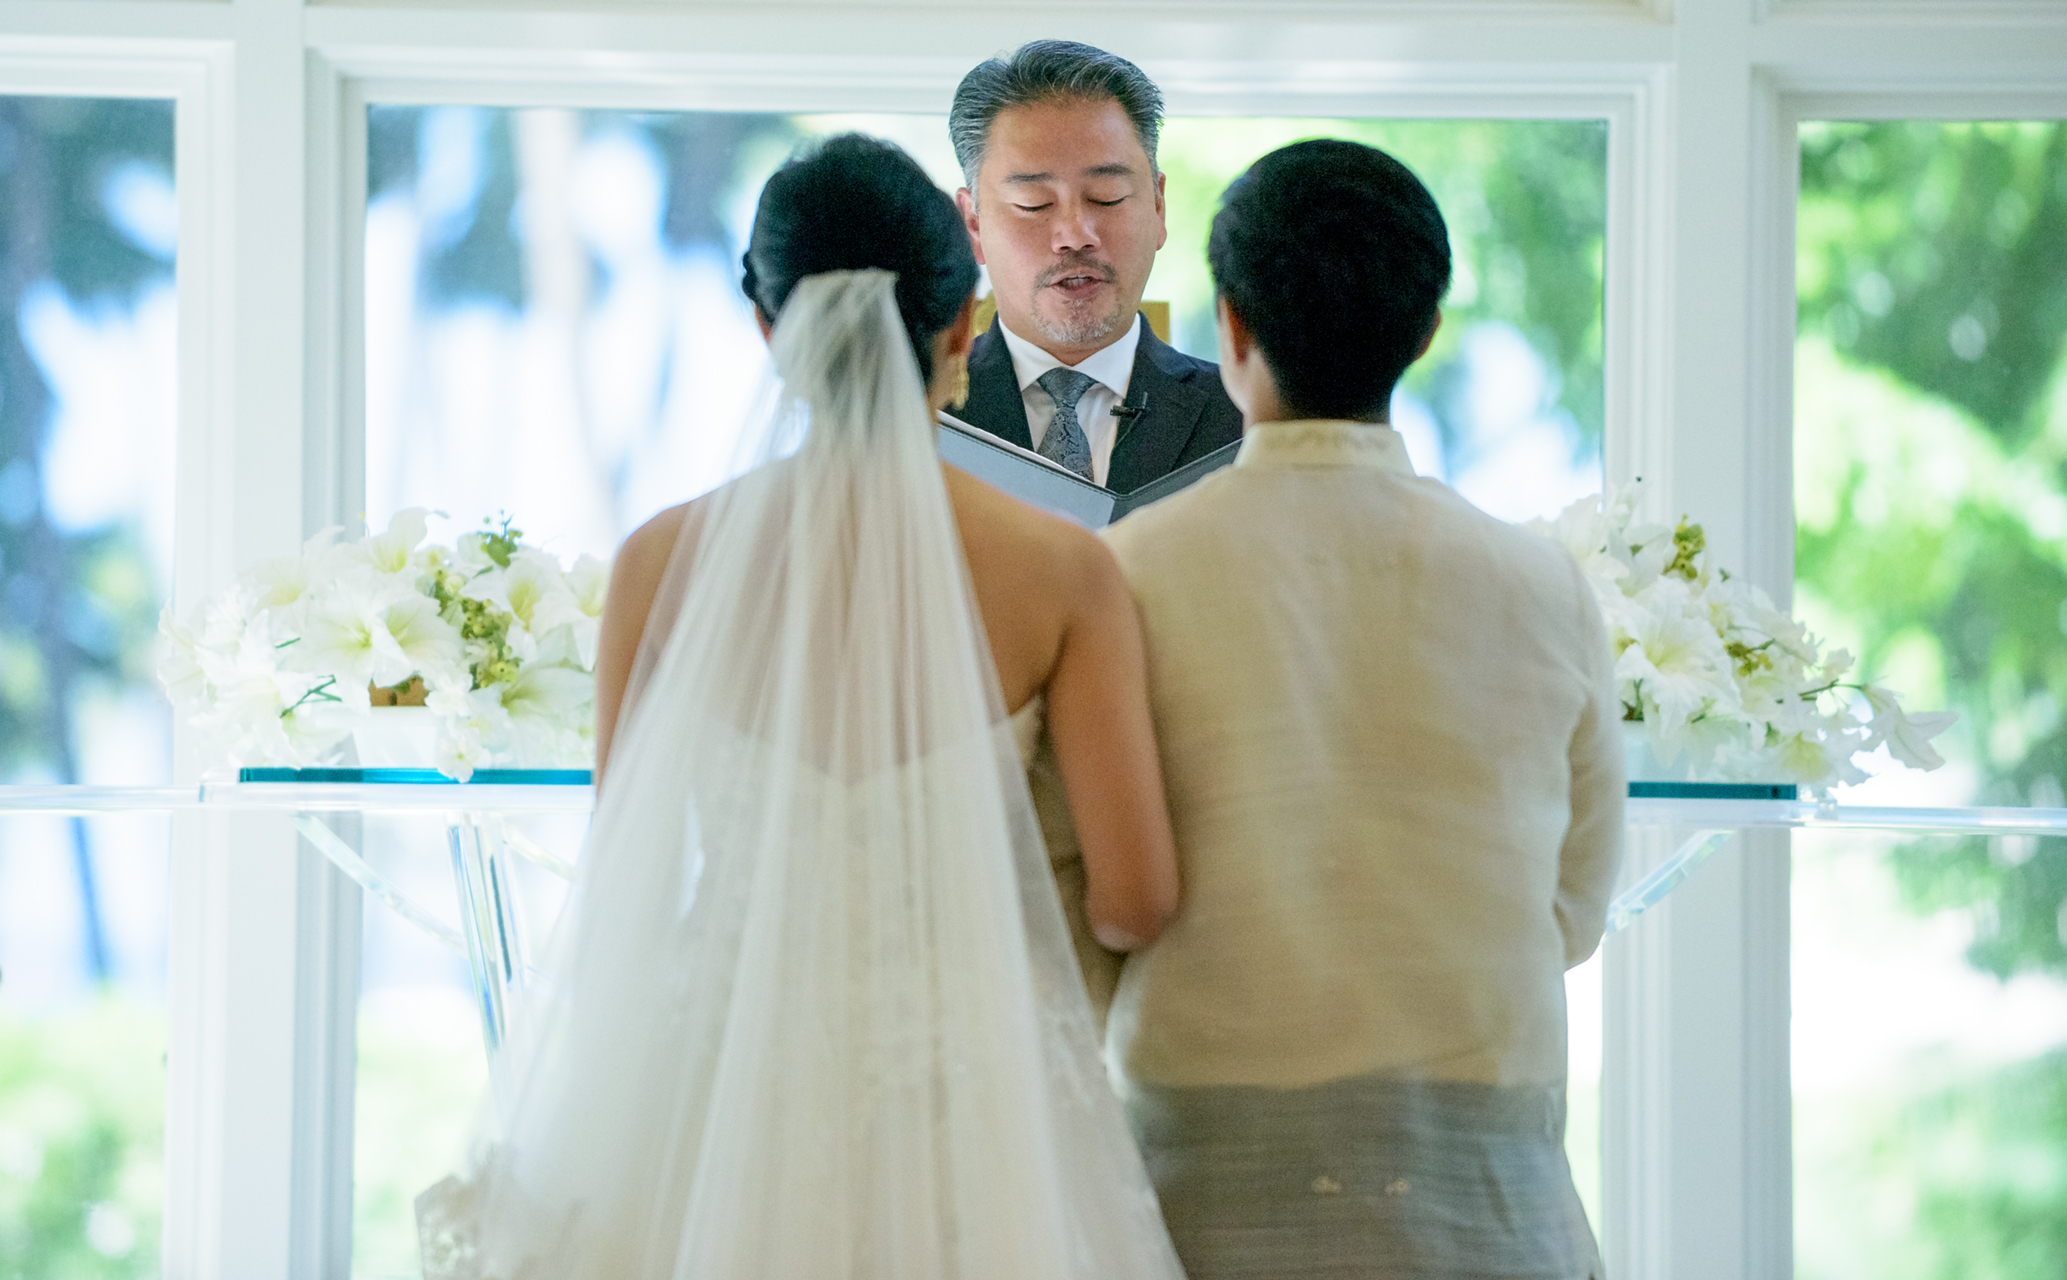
x=1702, y=817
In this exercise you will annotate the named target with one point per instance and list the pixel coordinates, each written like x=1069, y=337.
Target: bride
x=812, y=1009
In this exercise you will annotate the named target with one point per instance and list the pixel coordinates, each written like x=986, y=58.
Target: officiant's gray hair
x=1049, y=71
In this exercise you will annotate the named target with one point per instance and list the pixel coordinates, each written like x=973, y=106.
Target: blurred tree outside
x=81, y=1088
x=75, y=607
x=1933, y=287
x=1510, y=396
x=81, y=1167
x=1526, y=205
x=1931, y=500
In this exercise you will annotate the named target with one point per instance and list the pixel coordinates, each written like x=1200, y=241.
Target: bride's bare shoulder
x=657, y=537
x=648, y=546
x=642, y=560
x=994, y=524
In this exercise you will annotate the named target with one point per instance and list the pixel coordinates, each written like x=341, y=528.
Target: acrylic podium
x=479, y=837
x=1702, y=818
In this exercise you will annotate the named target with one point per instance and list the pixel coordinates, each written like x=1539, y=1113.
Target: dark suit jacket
x=1185, y=412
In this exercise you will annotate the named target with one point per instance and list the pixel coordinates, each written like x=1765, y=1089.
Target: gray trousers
x=1366, y=1179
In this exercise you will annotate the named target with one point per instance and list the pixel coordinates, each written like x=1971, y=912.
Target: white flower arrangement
x=1723, y=683
x=498, y=640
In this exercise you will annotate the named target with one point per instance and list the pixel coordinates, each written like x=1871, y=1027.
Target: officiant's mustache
x=1076, y=264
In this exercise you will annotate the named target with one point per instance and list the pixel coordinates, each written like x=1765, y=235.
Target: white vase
x=1640, y=757
x=397, y=738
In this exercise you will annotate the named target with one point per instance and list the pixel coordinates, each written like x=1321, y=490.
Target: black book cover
x=1028, y=476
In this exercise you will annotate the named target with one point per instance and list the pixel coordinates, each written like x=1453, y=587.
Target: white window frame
x=1702, y=98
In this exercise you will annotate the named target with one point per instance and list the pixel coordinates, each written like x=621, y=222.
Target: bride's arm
x=1105, y=745
x=634, y=581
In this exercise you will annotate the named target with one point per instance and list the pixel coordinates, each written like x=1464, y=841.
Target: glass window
x=422, y=1064
x=1930, y=976
x=1507, y=405
x=87, y=360
x=554, y=329
x=554, y=326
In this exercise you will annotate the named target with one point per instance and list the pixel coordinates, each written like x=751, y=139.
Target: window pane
x=1507, y=405
x=1930, y=976
x=87, y=356
x=554, y=329
x=422, y=1064
x=1586, y=1031
x=554, y=326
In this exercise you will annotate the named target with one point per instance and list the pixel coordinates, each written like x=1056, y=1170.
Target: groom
x=1064, y=205
x=1390, y=738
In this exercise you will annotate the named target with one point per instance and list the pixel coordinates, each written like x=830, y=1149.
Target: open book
x=1028, y=476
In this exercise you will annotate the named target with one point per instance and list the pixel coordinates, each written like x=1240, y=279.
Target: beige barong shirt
x=1391, y=743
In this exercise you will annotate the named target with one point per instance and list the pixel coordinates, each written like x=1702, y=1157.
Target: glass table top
x=1705, y=805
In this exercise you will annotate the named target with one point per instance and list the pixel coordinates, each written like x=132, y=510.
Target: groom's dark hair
x=1049, y=71
x=1335, y=257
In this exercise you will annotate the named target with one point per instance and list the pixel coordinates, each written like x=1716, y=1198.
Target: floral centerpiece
x=1717, y=681
x=490, y=635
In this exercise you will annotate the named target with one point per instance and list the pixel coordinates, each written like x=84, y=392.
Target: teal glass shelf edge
x=581, y=778
x=421, y=777
x=1714, y=791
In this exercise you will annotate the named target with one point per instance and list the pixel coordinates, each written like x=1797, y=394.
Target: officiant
x=1064, y=205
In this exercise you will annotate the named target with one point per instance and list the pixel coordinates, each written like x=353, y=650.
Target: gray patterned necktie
x=1064, y=442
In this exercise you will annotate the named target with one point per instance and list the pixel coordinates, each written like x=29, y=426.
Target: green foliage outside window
x=1931, y=495
x=81, y=1153
x=1933, y=267
x=82, y=1087
x=75, y=607
x=1526, y=204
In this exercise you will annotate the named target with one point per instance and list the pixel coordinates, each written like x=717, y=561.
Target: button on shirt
x=1112, y=368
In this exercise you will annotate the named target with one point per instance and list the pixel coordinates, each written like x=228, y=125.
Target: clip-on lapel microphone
x=1129, y=414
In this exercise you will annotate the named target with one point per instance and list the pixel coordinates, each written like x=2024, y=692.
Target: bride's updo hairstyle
x=853, y=202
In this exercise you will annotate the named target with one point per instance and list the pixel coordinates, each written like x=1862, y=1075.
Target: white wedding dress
x=811, y=1010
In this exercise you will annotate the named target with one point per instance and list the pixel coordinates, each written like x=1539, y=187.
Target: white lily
x=531, y=589
x=1675, y=659
x=474, y=730
x=368, y=632
x=470, y=554
x=393, y=553
x=1715, y=671
x=1908, y=737
x=560, y=647
x=427, y=642
x=344, y=633
x=589, y=581
x=238, y=646
x=282, y=583
x=1584, y=532
x=179, y=665
x=1806, y=759
x=460, y=752
x=556, y=695
x=1643, y=550
x=275, y=668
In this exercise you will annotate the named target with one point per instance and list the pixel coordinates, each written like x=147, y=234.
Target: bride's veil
x=812, y=1009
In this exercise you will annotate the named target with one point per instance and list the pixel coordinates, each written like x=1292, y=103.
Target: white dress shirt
x=1111, y=369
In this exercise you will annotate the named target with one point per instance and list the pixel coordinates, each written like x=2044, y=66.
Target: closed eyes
x=1037, y=208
